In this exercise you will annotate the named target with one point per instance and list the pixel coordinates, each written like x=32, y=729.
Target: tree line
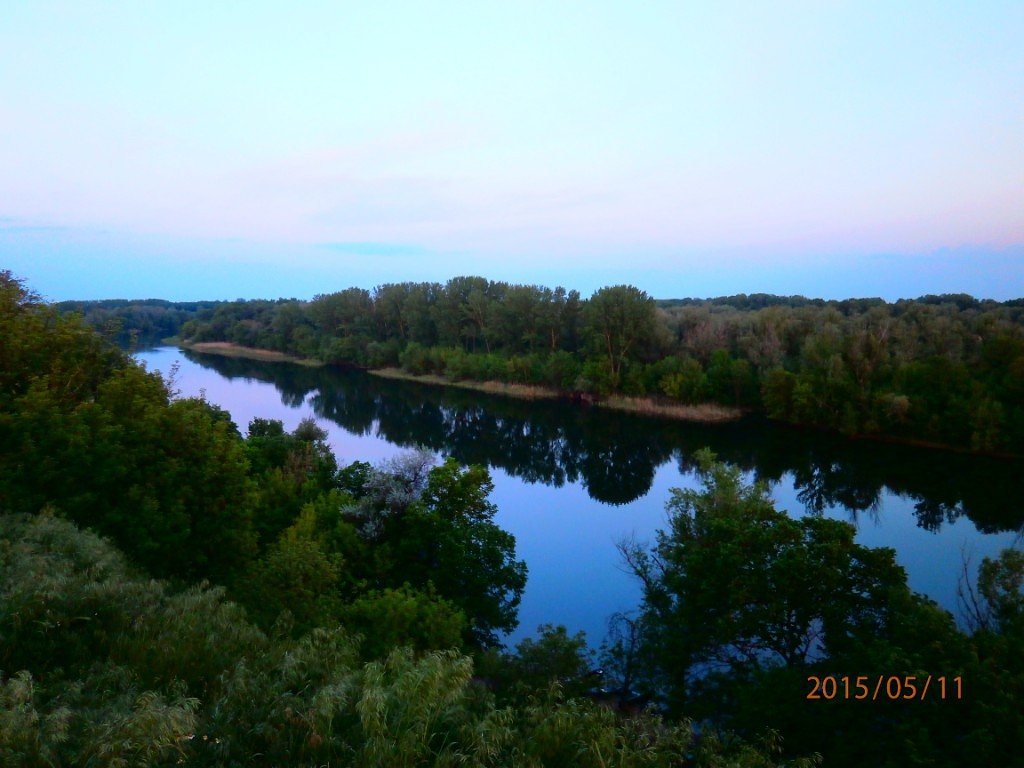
x=939, y=369
x=136, y=322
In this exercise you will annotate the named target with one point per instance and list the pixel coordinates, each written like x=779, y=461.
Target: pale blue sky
x=212, y=150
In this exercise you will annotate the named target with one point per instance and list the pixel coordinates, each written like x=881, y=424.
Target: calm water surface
x=571, y=482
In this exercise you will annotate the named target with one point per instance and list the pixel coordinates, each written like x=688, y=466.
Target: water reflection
x=615, y=455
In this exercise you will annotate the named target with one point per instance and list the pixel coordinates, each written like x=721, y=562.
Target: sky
x=195, y=150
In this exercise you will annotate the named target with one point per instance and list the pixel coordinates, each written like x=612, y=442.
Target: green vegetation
x=940, y=369
x=114, y=669
x=174, y=594
x=128, y=322
x=743, y=605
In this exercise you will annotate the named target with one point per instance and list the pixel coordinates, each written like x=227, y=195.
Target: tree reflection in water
x=615, y=455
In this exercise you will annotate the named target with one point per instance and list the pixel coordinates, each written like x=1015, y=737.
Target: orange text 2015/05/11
x=885, y=688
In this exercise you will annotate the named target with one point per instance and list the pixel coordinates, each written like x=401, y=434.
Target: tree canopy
x=745, y=607
x=941, y=369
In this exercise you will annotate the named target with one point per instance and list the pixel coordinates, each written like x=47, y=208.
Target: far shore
x=705, y=412
x=708, y=413
x=227, y=349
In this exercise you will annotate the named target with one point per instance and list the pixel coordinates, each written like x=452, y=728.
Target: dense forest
x=139, y=322
x=940, y=369
x=173, y=592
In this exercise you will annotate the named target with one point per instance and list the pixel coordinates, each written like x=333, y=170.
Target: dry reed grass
x=227, y=349
x=709, y=413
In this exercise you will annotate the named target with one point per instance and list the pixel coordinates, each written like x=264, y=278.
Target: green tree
x=745, y=606
x=297, y=575
x=553, y=658
x=433, y=529
x=448, y=538
x=89, y=432
x=389, y=618
x=621, y=325
x=290, y=469
x=110, y=668
x=1001, y=586
x=688, y=383
x=735, y=585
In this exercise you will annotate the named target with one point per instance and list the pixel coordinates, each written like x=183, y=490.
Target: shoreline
x=705, y=413
x=228, y=349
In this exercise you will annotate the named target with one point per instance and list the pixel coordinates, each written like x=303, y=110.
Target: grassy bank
x=705, y=412
x=227, y=349
x=708, y=413
x=520, y=391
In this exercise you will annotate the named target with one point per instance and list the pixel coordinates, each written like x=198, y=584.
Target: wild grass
x=709, y=413
x=227, y=349
x=520, y=391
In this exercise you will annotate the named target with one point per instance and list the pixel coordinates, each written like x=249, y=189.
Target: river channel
x=572, y=481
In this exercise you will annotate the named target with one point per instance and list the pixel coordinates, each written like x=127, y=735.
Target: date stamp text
x=885, y=688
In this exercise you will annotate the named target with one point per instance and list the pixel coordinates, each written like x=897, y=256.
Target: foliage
x=102, y=665
x=620, y=324
x=943, y=369
x=299, y=575
x=736, y=585
x=743, y=605
x=137, y=322
x=122, y=657
x=406, y=617
x=554, y=658
x=110, y=668
x=92, y=434
x=433, y=529
x=1001, y=586
x=291, y=470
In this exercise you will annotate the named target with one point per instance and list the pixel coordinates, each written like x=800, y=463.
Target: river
x=571, y=481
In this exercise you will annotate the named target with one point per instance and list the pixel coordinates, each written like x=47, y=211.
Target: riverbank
x=227, y=349
x=707, y=413
x=518, y=391
x=704, y=413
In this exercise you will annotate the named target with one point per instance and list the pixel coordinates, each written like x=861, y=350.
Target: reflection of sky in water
x=932, y=559
x=248, y=398
x=568, y=539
